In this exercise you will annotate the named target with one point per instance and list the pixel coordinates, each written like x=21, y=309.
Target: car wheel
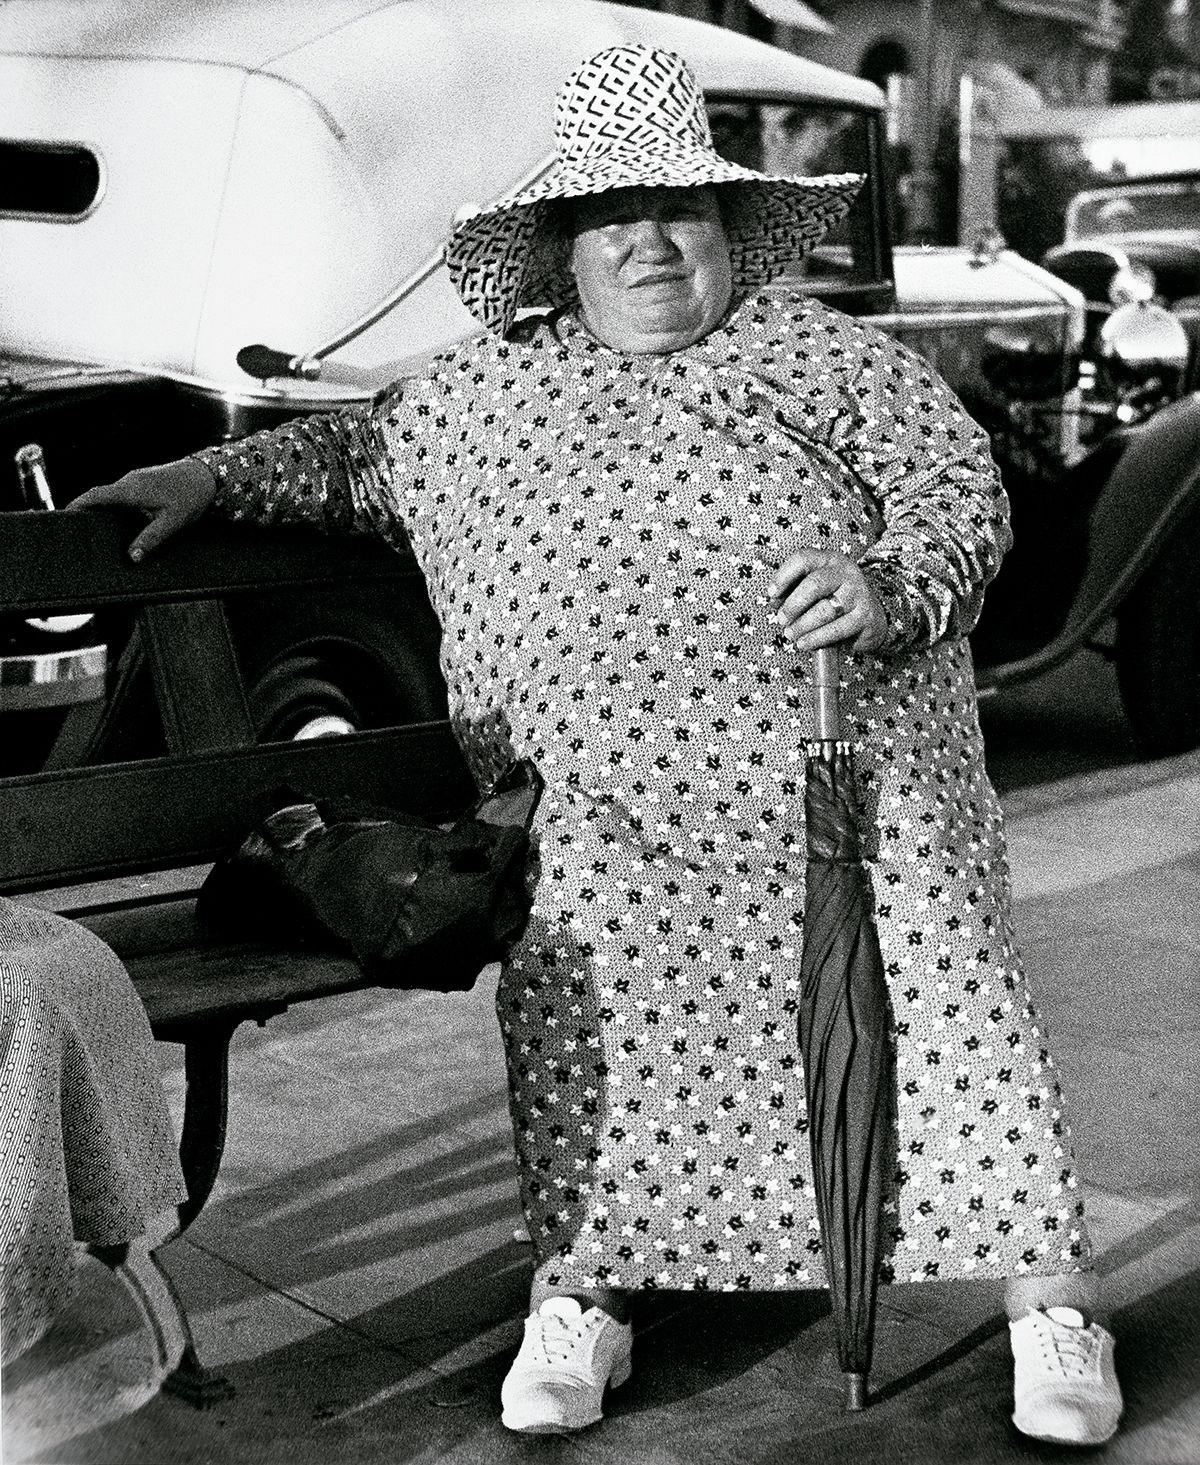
x=298, y=699
x=328, y=688
x=1158, y=648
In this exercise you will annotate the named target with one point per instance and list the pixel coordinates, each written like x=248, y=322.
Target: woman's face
x=652, y=266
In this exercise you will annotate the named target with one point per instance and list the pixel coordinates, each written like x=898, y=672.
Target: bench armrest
x=65, y=562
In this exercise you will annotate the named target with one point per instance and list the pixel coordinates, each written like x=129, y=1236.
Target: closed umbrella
x=843, y=1038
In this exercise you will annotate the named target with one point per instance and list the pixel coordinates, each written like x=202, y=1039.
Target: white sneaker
x=1065, y=1385
x=566, y=1360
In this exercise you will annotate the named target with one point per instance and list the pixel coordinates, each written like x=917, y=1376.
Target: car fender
x=1151, y=485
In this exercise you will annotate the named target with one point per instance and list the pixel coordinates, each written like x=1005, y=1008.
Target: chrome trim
x=972, y=315
x=26, y=375
x=328, y=401
x=53, y=678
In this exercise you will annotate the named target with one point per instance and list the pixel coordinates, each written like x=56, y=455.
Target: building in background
x=953, y=70
x=1063, y=48
x=1160, y=60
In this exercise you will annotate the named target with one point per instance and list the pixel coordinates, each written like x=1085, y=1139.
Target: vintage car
x=213, y=218
x=1154, y=222
x=1147, y=227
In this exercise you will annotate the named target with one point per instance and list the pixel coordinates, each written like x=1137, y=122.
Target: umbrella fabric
x=843, y=1038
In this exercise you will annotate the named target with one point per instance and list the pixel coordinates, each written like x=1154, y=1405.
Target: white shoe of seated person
x=566, y=1360
x=1065, y=1387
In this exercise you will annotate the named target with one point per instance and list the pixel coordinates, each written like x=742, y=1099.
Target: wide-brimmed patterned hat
x=633, y=115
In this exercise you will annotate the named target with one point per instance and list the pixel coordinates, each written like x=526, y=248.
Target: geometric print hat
x=633, y=115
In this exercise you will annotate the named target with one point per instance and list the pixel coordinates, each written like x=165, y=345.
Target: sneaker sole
x=536, y=1428
x=1053, y=1439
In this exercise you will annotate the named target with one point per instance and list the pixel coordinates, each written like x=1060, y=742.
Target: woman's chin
x=654, y=329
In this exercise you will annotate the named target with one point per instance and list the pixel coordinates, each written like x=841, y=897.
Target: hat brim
x=501, y=259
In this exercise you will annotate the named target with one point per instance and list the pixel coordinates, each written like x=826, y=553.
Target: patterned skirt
x=89, y=1154
x=650, y=1020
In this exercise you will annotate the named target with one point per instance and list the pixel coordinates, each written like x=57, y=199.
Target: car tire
x=298, y=698
x=1158, y=648
x=348, y=677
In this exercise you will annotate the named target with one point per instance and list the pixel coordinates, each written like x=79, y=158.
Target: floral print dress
x=597, y=532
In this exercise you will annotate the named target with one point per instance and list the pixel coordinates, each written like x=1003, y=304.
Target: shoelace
x=1070, y=1350
x=557, y=1338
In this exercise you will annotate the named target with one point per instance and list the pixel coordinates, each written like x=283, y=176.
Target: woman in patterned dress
x=636, y=515
x=89, y=1155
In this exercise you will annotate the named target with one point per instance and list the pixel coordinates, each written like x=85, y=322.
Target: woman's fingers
x=797, y=565
x=812, y=589
x=824, y=599
x=172, y=495
x=164, y=523
x=104, y=495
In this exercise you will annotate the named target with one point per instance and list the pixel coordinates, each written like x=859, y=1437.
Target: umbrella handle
x=826, y=677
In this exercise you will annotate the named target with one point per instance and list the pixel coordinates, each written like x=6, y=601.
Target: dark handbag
x=416, y=904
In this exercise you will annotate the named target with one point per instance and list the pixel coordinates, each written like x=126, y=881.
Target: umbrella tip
x=856, y=1392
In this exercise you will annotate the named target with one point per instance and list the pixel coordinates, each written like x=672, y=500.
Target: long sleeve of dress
x=925, y=465
x=355, y=471
x=945, y=513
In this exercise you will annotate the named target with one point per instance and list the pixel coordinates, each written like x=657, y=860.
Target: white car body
x=275, y=171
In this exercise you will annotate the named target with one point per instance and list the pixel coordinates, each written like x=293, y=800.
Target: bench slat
x=182, y=989
x=189, y=646
x=84, y=824
x=187, y=976
x=60, y=562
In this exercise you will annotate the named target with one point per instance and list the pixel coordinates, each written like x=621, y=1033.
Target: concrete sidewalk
x=357, y=1278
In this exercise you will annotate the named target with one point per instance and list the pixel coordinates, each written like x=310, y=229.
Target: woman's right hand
x=172, y=495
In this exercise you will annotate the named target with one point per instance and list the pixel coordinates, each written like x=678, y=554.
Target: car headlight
x=1141, y=342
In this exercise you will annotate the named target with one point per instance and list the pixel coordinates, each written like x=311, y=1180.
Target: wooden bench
x=79, y=822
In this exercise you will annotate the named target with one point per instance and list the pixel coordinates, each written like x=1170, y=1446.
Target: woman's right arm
x=334, y=471
x=172, y=495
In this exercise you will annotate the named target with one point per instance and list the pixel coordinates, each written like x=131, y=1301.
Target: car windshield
x=1137, y=207
x=1038, y=177
x=803, y=139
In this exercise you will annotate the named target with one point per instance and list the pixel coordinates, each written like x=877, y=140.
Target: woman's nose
x=651, y=240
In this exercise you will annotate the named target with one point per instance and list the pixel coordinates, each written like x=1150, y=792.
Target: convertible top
x=270, y=170
x=296, y=39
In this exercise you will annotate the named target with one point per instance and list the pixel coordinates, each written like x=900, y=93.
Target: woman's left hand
x=823, y=599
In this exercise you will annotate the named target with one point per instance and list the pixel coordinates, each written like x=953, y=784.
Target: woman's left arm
x=925, y=466
x=929, y=467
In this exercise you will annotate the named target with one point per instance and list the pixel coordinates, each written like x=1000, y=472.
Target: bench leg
x=166, y=1322
x=205, y=1113
x=201, y=1145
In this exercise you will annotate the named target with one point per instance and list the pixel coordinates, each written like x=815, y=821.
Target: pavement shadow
x=1158, y=1345
x=943, y=1361
x=700, y=1342
x=368, y=1202
x=1140, y=1243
